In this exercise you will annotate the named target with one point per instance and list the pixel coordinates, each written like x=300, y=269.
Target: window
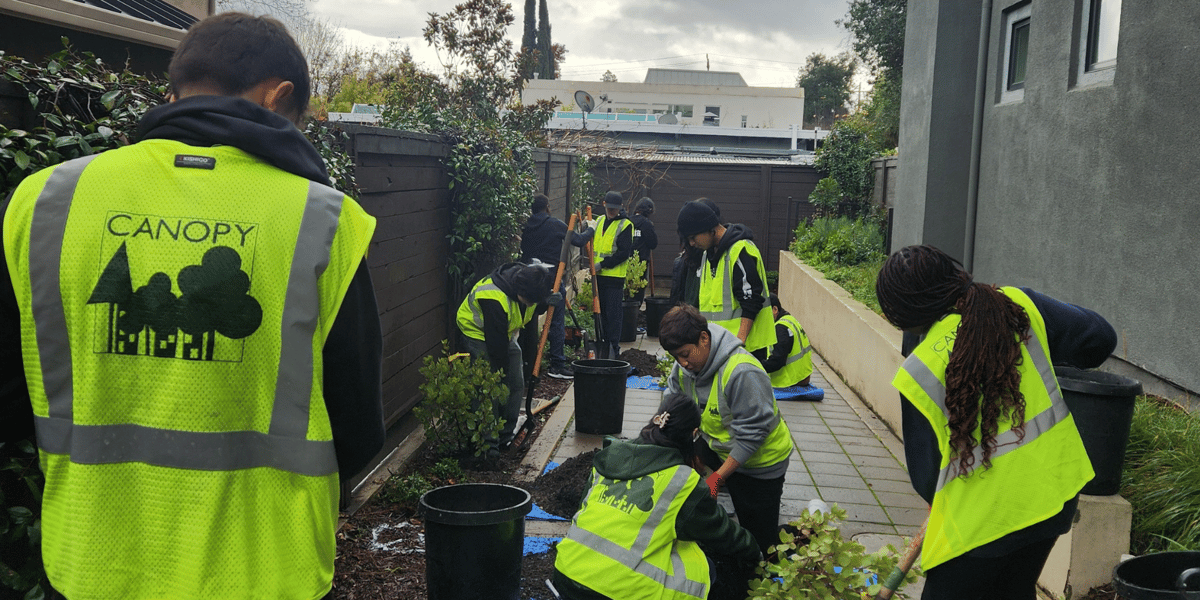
x=1013, y=71
x=1018, y=54
x=1103, y=28
x=712, y=115
x=683, y=110
x=743, y=121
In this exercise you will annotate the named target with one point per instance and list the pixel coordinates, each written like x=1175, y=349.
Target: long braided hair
x=918, y=286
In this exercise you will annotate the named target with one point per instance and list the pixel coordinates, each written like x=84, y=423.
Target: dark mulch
x=646, y=364
x=380, y=549
x=1104, y=592
x=560, y=491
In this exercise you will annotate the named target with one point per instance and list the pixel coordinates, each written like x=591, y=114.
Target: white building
x=705, y=98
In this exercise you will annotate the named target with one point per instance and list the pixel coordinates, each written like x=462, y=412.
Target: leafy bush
x=827, y=196
x=20, y=523
x=846, y=157
x=635, y=271
x=457, y=409
x=1161, y=477
x=405, y=490
x=819, y=564
x=838, y=240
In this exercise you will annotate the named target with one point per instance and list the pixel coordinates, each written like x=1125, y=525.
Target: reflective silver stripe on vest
x=477, y=315
x=284, y=448
x=302, y=311
x=729, y=310
x=632, y=558
x=795, y=327
x=46, y=231
x=726, y=412
x=1009, y=440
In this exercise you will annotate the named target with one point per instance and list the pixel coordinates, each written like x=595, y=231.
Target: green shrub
x=819, y=564
x=21, y=483
x=838, y=240
x=447, y=470
x=405, y=491
x=635, y=270
x=456, y=411
x=826, y=196
x=1161, y=477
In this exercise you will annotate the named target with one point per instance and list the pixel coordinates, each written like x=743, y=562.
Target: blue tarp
x=539, y=545
x=797, y=392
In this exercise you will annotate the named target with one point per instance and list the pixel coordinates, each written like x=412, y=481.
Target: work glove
x=714, y=482
x=555, y=299
x=591, y=223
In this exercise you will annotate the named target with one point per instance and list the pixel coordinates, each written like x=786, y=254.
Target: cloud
x=766, y=41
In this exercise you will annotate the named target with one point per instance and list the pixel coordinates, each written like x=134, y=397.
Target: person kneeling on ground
x=489, y=319
x=648, y=520
x=744, y=439
x=790, y=362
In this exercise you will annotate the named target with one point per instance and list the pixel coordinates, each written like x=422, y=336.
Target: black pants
x=756, y=501
x=1010, y=577
x=612, y=292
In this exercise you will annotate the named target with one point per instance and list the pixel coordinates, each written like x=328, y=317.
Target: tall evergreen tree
x=544, y=46
x=529, y=39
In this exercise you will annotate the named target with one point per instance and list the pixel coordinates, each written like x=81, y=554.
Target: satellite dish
x=668, y=119
x=585, y=101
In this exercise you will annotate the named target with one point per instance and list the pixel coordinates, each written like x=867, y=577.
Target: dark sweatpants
x=612, y=292
x=755, y=501
x=1010, y=577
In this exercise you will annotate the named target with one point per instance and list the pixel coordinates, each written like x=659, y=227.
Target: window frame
x=1018, y=16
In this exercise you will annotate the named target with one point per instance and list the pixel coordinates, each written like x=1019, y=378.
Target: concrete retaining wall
x=859, y=344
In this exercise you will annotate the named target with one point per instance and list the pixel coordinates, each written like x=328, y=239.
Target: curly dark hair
x=918, y=286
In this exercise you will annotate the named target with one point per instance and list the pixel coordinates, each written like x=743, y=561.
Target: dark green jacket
x=700, y=520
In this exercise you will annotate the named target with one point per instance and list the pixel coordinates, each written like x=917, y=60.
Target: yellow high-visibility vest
x=715, y=413
x=605, y=244
x=799, y=361
x=718, y=305
x=470, y=315
x=1031, y=476
x=172, y=322
x=622, y=542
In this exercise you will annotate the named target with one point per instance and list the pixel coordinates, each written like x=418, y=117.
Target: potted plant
x=635, y=282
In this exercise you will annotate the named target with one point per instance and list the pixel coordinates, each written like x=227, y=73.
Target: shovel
x=896, y=577
x=602, y=341
x=537, y=363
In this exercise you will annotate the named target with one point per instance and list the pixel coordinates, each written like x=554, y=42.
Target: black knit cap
x=672, y=427
x=613, y=199
x=533, y=281
x=645, y=206
x=695, y=218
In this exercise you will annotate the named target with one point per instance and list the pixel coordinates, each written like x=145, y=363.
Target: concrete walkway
x=843, y=454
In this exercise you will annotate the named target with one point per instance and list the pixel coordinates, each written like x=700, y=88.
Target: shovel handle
x=896, y=577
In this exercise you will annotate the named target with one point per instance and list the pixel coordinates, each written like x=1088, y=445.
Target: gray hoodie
x=749, y=399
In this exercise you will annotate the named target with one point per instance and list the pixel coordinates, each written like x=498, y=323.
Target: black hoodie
x=495, y=318
x=353, y=351
x=749, y=289
x=541, y=238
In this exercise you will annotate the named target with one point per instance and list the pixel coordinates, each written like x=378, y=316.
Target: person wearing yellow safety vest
x=733, y=278
x=744, y=440
x=648, y=524
x=199, y=338
x=489, y=318
x=790, y=361
x=612, y=237
x=988, y=438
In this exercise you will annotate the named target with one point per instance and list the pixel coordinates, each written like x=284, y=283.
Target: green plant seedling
x=456, y=412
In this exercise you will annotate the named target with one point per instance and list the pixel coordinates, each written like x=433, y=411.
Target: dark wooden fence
x=404, y=185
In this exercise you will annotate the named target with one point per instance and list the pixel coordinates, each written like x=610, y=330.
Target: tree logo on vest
x=204, y=314
x=625, y=495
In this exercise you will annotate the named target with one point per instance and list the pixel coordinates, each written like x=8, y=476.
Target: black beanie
x=645, y=206
x=672, y=427
x=695, y=218
x=533, y=281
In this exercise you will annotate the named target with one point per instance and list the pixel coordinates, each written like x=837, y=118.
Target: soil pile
x=560, y=491
x=646, y=364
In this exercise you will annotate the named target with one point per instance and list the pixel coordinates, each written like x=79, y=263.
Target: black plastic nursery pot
x=1159, y=576
x=599, y=395
x=1102, y=404
x=474, y=540
x=655, y=309
x=629, y=319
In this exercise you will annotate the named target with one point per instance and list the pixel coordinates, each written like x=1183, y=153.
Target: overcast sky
x=766, y=41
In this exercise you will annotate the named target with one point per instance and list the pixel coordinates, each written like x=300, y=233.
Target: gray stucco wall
x=1088, y=193
x=941, y=37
